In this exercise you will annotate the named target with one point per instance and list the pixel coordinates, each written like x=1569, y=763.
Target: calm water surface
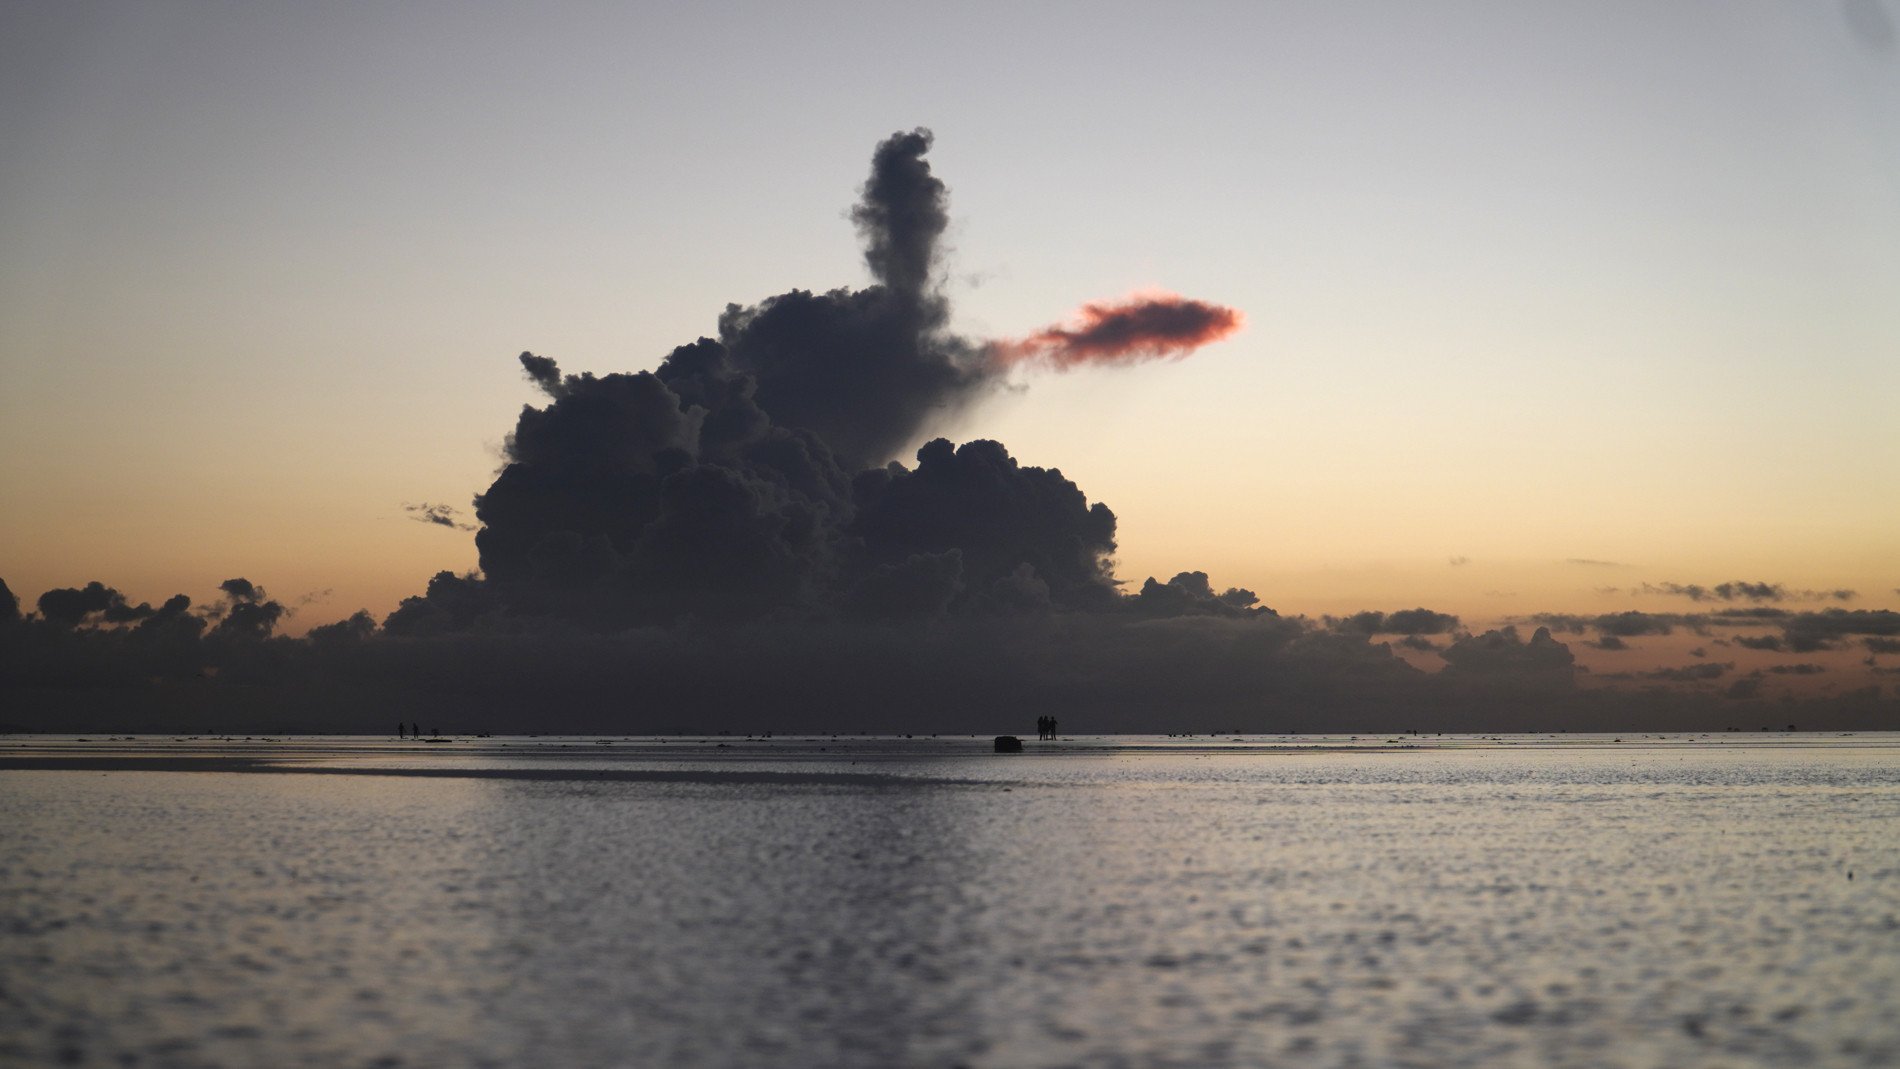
x=1680, y=901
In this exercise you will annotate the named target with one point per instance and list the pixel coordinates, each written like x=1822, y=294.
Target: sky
x=1549, y=308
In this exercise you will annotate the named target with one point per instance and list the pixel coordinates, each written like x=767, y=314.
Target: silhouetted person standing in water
x=1052, y=727
x=400, y=729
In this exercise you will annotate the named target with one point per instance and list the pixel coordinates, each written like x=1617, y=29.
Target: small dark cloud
x=543, y=372
x=1741, y=617
x=1739, y=590
x=440, y=515
x=1881, y=645
x=247, y=613
x=1588, y=562
x=1630, y=624
x=1750, y=591
x=1758, y=616
x=1363, y=623
x=1459, y=562
x=1689, y=673
x=174, y=620
x=1191, y=594
x=1810, y=631
x=358, y=627
x=1692, y=591
x=1420, y=621
x=241, y=590
x=1619, y=624
x=1803, y=669
x=1610, y=643
x=93, y=604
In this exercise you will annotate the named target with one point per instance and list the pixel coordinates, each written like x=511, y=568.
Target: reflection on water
x=892, y=902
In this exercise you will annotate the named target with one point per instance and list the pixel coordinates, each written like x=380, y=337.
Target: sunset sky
x=1546, y=305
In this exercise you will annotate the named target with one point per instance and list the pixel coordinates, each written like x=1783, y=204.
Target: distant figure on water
x=1045, y=727
x=400, y=730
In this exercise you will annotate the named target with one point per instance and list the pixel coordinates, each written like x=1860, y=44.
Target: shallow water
x=1677, y=901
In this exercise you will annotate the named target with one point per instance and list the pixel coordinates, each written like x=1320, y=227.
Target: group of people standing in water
x=1045, y=727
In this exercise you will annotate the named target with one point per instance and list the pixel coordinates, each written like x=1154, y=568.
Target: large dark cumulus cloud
x=747, y=477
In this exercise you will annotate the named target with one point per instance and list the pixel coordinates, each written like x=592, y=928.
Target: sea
x=1730, y=899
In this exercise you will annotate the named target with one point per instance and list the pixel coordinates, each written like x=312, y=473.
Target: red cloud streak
x=1148, y=326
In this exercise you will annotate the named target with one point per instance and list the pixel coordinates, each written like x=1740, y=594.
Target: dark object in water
x=438, y=740
x=1008, y=744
